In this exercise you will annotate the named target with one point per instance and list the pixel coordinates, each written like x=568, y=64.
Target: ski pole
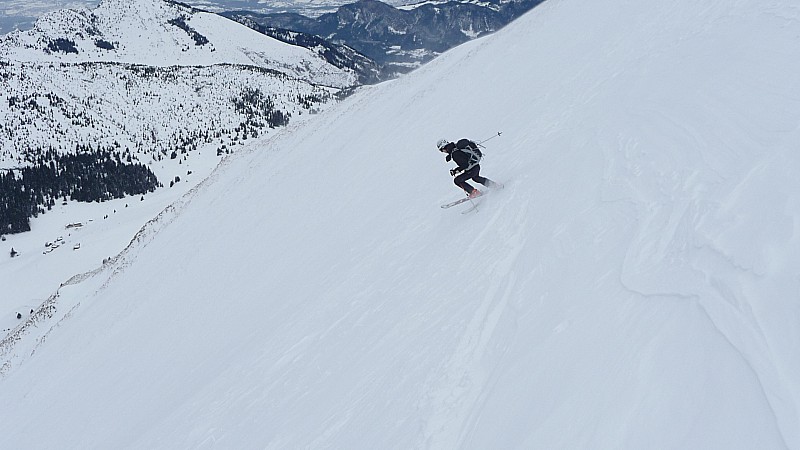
x=489, y=139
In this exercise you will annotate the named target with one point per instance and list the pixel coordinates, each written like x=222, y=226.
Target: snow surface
x=635, y=285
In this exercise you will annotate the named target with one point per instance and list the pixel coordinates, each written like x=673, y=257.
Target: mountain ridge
x=161, y=33
x=398, y=38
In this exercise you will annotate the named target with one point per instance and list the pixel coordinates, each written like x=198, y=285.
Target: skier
x=465, y=153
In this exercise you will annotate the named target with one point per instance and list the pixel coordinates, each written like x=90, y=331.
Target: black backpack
x=471, y=149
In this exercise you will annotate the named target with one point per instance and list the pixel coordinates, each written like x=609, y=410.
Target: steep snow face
x=635, y=285
x=161, y=33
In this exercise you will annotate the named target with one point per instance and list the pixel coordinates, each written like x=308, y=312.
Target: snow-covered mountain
x=130, y=66
x=307, y=7
x=399, y=39
x=161, y=33
x=140, y=79
x=22, y=14
x=635, y=285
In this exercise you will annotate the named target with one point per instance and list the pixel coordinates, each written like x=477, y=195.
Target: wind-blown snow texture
x=635, y=285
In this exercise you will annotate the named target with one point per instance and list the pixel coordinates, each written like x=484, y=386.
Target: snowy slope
x=635, y=285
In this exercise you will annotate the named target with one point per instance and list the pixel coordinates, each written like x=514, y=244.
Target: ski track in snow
x=464, y=381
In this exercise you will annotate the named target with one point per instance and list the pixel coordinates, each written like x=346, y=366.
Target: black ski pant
x=472, y=174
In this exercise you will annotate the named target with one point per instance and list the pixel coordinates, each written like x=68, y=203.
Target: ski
x=457, y=202
x=466, y=199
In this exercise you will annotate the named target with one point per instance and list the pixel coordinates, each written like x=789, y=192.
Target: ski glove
x=448, y=158
x=455, y=171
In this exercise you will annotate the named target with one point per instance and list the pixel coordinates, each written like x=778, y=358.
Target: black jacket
x=465, y=153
